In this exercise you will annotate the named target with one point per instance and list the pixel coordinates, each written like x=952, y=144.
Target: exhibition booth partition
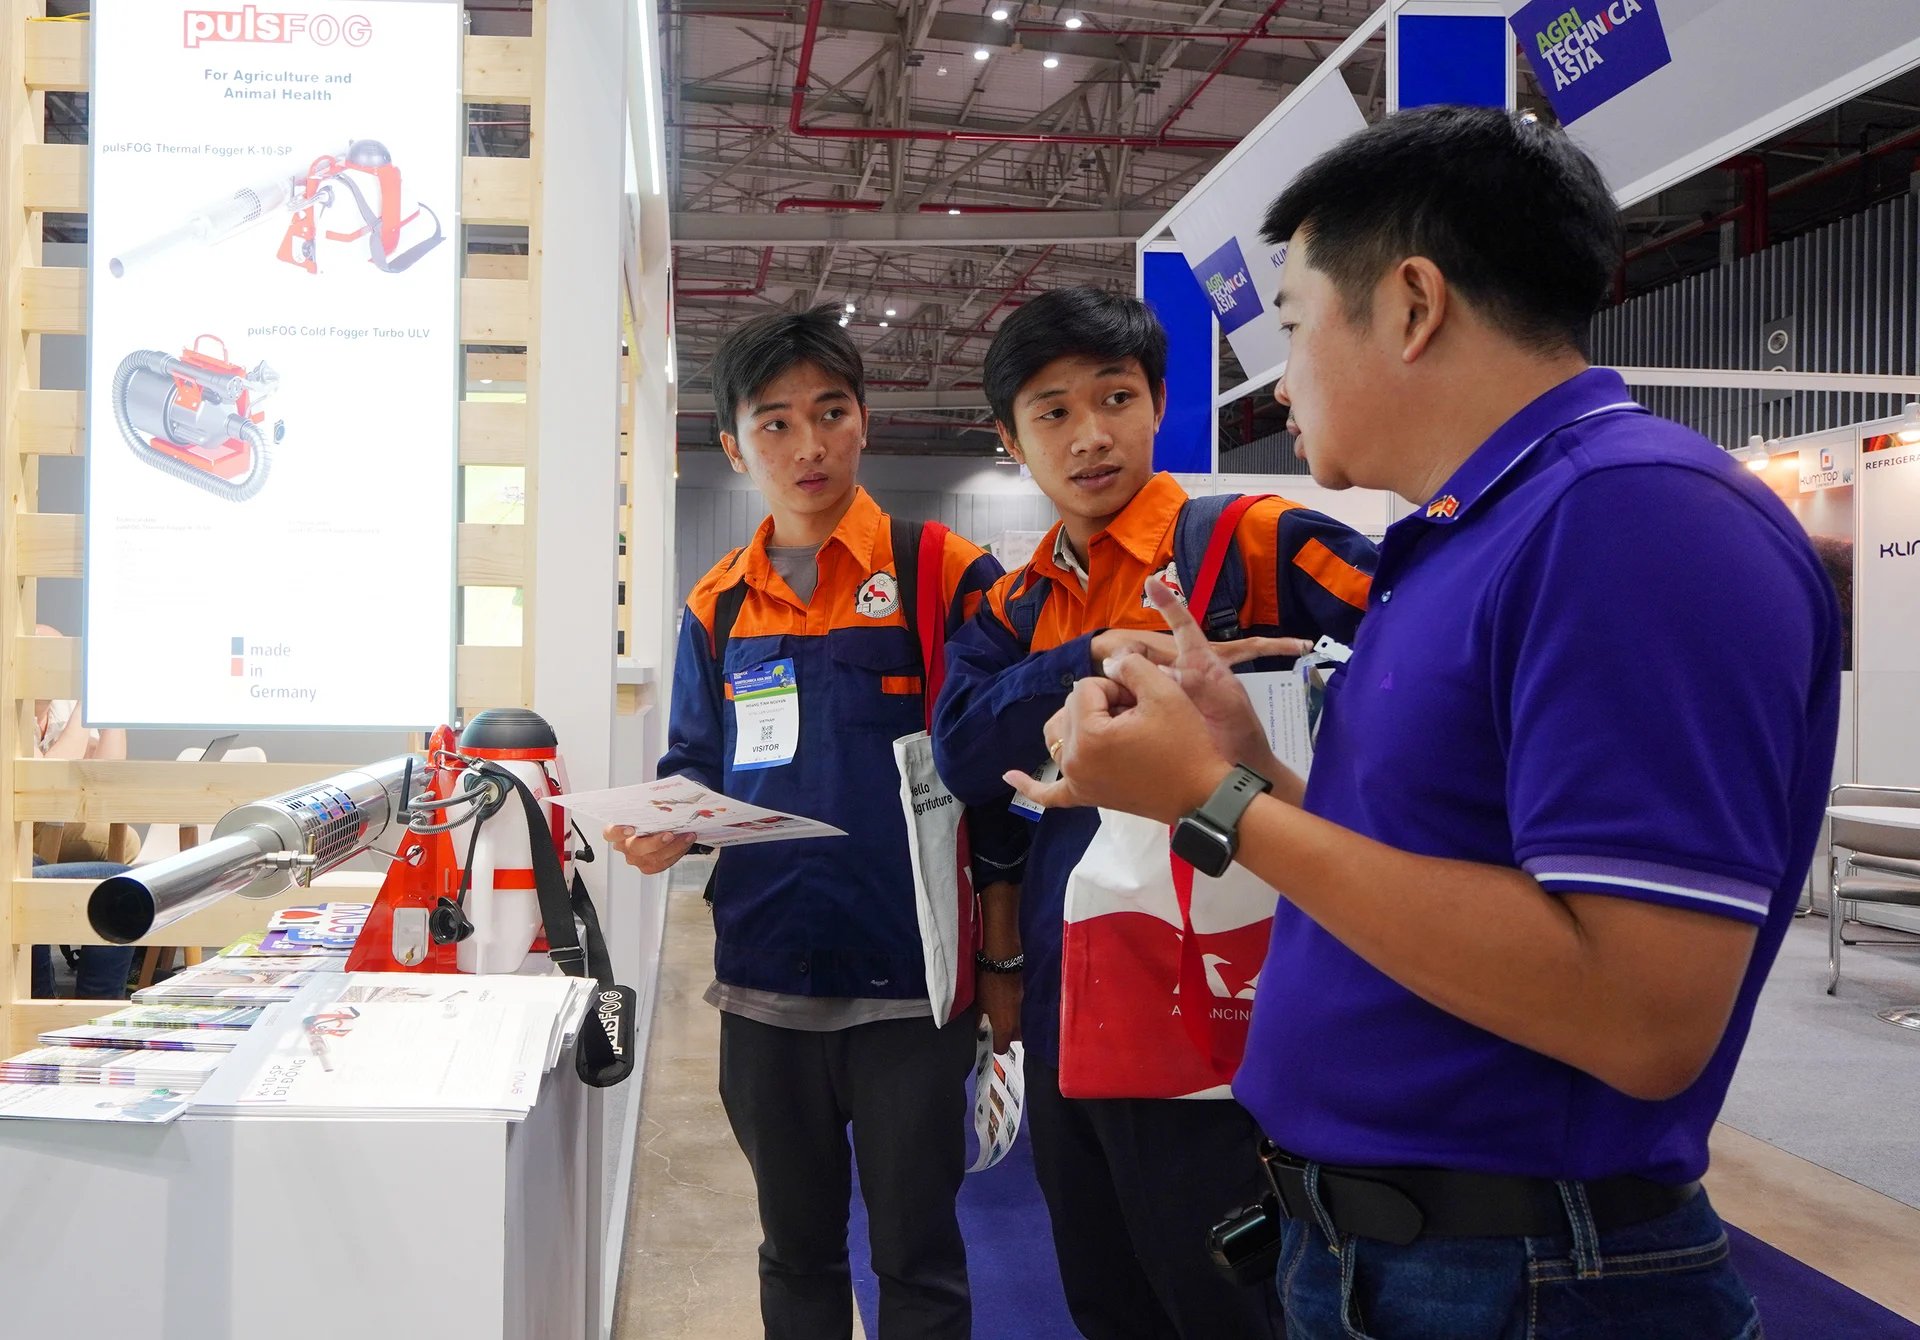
x=363, y=421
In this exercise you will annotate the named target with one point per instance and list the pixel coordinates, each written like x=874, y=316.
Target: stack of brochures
x=317, y=929
x=101, y=1065
x=403, y=1045
x=240, y=980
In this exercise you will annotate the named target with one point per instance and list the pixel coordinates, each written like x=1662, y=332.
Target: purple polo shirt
x=1606, y=655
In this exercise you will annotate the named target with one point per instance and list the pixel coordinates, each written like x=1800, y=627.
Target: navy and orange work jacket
x=1011, y=668
x=825, y=916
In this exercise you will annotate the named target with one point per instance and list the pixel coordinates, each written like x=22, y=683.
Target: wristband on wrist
x=1000, y=965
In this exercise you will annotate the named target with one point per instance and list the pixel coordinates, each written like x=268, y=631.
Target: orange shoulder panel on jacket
x=706, y=592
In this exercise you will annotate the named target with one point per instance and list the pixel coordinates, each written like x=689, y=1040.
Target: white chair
x=1870, y=862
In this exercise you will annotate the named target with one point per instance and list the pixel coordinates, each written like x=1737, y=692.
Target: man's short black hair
x=1065, y=323
x=1518, y=219
x=767, y=346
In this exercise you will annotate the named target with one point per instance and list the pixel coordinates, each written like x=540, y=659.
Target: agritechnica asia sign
x=1592, y=51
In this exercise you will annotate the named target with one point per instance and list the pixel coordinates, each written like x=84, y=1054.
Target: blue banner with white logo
x=1592, y=51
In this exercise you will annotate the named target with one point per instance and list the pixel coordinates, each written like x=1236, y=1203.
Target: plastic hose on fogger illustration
x=196, y=417
x=308, y=194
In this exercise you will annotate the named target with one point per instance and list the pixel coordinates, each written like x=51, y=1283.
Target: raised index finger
x=1187, y=637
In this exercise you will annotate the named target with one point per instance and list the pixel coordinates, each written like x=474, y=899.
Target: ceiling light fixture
x=890, y=311
x=980, y=53
x=843, y=320
x=953, y=211
x=1051, y=63
x=1074, y=22
x=850, y=307
x=999, y=16
x=486, y=381
x=941, y=70
x=1755, y=454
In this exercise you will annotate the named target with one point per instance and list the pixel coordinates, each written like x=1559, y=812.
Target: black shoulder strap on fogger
x=604, y=1054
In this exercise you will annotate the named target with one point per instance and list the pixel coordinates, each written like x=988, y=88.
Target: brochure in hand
x=682, y=805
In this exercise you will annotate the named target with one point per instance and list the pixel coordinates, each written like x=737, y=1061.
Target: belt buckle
x=1274, y=1162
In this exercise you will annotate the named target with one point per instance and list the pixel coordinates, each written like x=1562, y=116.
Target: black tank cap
x=508, y=728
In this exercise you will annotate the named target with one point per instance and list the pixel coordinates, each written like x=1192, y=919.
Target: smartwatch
x=1208, y=838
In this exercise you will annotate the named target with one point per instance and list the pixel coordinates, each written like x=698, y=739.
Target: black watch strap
x=1231, y=798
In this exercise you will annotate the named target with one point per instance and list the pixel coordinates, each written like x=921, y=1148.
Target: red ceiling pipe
x=758, y=286
x=1231, y=50
x=1055, y=30
x=797, y=110
x=1799, y=183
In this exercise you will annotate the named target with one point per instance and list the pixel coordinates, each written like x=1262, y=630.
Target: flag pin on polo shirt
x=1443, y=507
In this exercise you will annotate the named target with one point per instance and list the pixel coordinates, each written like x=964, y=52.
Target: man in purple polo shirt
x=1565, y=792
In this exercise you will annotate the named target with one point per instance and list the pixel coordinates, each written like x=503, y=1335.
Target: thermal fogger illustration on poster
x=196, y=417
x=329, y=180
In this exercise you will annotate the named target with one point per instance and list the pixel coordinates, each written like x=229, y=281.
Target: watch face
x=1202, y=846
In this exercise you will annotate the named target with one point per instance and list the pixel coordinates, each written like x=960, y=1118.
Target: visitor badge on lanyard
x=766, y=715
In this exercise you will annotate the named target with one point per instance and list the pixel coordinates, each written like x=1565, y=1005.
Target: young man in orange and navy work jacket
x=818, y=971
x=1076, y=379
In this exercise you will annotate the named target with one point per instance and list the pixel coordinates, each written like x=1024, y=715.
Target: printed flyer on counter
x=274, y=364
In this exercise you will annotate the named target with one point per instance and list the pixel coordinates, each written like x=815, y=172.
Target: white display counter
x=250, y=1228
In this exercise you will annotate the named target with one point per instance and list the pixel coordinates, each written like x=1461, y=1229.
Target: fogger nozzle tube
x=254, y=851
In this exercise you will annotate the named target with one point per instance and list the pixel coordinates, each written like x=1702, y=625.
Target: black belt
x=1398, y=1205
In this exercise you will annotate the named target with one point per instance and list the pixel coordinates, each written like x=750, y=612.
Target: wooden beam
x=50, y=545
x=492, y=190
x=143, y=791
x=49, y=667
x=56, y=57
x=53, y=423
x=496, y=368
x=54, y=911
x=492, y=555
x=53, y=300
x=496, y=265
x=492, y=311
x=497, y=69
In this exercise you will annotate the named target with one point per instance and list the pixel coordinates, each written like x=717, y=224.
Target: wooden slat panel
x=495, y=311
x=150, y=792
x=55, y=177
x=50, y=668
x=497, y=69
x=496, y=368
x=492, y=190
x=490, y=677
x=53, y=300
x=52, y=423
x=493, y=432
x=496, y=190
x=54, y=911
x=492, y=311
x=493, y=555
x=496, y=265
x=51, y=546
x=56, y=56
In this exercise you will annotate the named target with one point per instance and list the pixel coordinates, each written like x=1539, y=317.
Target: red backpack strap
x=1195, y=993
x=930, y=619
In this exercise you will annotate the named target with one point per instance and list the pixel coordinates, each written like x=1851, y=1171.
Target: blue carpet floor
x=1017, y=1295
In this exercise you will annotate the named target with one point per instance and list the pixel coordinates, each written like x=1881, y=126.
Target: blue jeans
x=102, y=974
x=1666, y=1279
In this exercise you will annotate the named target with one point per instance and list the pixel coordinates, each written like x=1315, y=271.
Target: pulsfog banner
x=273, y=363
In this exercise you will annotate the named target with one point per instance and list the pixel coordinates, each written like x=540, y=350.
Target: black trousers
x=1132, y=1186
x=901, y=1084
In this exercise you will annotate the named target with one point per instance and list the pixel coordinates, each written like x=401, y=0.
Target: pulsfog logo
x=1229, y=287
x=257, y=25
x=1591, y=52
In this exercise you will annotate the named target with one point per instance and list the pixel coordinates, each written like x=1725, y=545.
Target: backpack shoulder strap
x=726, y=612
x=1206, y=557
x=906, y=569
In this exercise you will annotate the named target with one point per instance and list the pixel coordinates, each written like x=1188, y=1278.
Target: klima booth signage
x=1592, y=51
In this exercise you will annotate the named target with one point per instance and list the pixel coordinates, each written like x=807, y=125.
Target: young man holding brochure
x=818, y=970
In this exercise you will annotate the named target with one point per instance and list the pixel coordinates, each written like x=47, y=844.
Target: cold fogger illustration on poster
x=274, y=364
